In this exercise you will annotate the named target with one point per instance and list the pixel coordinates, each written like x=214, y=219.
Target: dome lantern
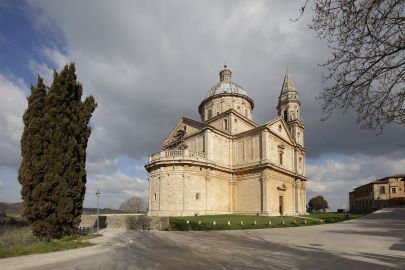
x=225, y=75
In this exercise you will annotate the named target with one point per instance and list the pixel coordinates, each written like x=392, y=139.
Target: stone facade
x=226, y=163
x=385, y=192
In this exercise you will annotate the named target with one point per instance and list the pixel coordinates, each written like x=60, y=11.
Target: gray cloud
x=150, y=62
x=12, y=106
x=116, y=188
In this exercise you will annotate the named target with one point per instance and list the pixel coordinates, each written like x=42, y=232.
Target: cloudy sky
x=147, y=63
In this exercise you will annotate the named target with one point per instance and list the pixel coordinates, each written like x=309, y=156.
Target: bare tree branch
x=367, y=68
x=134, y=205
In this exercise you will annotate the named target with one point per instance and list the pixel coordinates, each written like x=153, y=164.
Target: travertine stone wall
x=126, y=222
x=231, y=123
x=188, y=190
x=224, y=103
x=195, y=143
x=248, y=193
x=193, y=190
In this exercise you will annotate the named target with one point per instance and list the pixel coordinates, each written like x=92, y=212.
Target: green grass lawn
x=42, y=247
x=237, y=222
x=19, y=240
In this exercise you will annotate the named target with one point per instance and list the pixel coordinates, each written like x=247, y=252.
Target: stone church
x=228, y=164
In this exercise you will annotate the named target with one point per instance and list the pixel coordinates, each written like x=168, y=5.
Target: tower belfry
x=289, y=107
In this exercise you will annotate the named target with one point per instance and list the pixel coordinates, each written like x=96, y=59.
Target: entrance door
x=280, y=204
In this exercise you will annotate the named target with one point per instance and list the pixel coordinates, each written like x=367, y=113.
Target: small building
x=386, y=192
x=227, y=163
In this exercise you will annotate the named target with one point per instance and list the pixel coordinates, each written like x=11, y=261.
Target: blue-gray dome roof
x=226, y=87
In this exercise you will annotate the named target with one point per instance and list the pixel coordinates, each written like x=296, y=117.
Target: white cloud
x=335, y=177
x=57, y=59
x=101, y=166
x=12, y=104
x=115, y=188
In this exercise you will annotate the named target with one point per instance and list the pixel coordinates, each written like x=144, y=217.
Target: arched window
x=154, y=196
x=209, y=114
x=197, y=196
x=382, y=190
x=285, y=115
x=225, y=124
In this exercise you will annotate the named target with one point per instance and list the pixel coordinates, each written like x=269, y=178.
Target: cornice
x=225, y=95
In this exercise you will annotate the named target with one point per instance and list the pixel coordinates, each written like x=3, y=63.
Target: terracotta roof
x=382, y=180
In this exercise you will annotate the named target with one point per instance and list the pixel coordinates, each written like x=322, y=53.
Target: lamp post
x=98, y=209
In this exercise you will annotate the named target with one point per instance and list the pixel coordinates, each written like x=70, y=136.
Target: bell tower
x=289, y=107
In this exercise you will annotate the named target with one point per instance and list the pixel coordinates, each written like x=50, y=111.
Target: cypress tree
x=33, y=147
x=57, y=197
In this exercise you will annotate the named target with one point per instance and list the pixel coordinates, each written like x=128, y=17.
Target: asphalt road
x=373, y=242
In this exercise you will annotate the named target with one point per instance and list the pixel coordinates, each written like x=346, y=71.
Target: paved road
x=373, y=242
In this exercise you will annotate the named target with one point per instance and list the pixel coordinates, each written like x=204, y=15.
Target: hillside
x=15, y=208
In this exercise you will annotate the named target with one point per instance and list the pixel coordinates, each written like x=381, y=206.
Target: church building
x=228, y=164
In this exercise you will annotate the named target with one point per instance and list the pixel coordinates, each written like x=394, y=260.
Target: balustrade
x=175, y=153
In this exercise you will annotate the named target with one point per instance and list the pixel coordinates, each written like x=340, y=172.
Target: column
x=264, y=192
x=207, y=179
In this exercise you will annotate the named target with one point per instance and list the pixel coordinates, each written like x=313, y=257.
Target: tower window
x=154, y=196
x=209, y=114
x=197, y=196
x=246, y=112
x=225, y=124
x=285, y=115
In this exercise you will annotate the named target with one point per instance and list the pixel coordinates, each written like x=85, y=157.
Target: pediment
x=280, y=129
x=236, y=114
x=184, y=128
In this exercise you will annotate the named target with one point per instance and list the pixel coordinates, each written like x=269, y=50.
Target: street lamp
x=98, y=209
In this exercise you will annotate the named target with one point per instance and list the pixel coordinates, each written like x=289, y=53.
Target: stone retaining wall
x=127, y=222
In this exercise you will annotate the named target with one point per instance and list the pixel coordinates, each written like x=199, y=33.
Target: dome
x=226, y=87
x=225, y=95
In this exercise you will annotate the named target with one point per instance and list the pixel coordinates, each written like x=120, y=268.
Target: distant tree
x=133, y=205
x=53, y=147
x=367, y=68
x=317, y=203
